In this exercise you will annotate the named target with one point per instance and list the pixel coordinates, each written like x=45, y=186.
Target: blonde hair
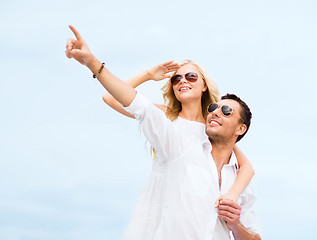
x=173, y=106
x=211, y=95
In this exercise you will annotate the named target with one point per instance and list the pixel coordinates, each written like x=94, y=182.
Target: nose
x=216, y=112
x=183, y=80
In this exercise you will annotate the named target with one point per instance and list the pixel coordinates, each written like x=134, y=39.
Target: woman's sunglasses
x=190, y=77
x=225, y=109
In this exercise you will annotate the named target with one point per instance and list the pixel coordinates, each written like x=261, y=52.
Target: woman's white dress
x=177, y=201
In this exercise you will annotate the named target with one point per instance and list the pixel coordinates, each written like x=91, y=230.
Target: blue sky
x=71, y=168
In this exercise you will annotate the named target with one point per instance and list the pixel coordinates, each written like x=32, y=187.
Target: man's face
x=225, y=128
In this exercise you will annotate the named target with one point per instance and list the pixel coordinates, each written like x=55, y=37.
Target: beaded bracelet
x=102, y=66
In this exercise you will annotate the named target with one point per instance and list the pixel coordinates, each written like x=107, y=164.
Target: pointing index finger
x=77, y=35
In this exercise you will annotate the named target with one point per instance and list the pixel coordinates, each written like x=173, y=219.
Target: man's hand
x=229, y=211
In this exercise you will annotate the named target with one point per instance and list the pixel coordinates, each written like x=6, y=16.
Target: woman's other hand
x=162, y=70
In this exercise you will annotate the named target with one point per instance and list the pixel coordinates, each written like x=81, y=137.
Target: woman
x=168, y=204
x=175, y=107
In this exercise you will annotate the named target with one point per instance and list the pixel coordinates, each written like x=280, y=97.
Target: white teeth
x=184, y=88
x=214, y=122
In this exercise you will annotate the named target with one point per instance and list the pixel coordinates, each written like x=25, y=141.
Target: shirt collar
x=233, y=161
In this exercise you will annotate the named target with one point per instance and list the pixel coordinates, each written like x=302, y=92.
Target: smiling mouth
x=184, y=89
x=214, y=122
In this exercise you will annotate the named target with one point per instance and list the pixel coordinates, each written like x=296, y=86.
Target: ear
x=205, y=87
x=241, y=129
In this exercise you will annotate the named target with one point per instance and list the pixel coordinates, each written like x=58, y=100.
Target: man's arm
x=241, y=233
x=230, y=212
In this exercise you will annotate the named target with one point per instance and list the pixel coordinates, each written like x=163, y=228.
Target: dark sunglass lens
x=191, y=76
x=226, y=110
x=212, y=107
x=175, y=79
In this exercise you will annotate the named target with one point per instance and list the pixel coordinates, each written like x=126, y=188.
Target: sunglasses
x=225, y=109
x=190, y=77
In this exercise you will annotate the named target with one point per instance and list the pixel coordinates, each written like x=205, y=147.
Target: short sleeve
x=138, y=106
x=157, y=128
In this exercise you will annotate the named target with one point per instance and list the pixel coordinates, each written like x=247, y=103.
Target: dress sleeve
x=162, y=134
x=248, y=212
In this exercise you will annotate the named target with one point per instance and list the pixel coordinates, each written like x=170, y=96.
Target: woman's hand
x=161, y=71
x=78, y=49
x=226, y=196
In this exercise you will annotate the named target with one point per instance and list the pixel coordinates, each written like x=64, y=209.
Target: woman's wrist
x=143, y=77
x=148, y=75
x=93, y=64
x=233, y=194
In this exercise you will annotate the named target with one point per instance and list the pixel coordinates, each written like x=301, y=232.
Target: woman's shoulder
x=161, y=107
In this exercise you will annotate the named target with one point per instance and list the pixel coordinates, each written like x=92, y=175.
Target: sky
x=72, y=168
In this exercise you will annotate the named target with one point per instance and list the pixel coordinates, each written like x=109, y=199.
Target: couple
x=195, y=190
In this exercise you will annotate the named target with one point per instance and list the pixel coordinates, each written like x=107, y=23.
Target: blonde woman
x=177, y=201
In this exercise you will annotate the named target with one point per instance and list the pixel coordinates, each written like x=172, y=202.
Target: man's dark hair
x=245, y=112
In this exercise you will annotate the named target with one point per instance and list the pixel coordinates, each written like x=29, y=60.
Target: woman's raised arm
x=79, y=50
x=156, y=73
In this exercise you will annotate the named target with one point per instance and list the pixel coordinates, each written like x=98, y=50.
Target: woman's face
x=185, y=90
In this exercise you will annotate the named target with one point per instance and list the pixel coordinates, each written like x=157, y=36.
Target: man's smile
x=214, y=122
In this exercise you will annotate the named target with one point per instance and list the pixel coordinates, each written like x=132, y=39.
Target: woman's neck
x=192, y=112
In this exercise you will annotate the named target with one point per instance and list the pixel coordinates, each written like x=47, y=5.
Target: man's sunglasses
x=225, y=109
x=190, y=77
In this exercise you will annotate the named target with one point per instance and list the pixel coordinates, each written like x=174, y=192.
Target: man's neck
x=221, y=153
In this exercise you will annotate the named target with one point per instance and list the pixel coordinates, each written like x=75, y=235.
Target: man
x=227, y=122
